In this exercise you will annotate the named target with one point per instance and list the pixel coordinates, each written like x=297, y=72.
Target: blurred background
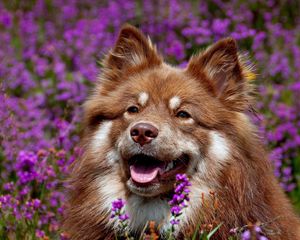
x=49, y=60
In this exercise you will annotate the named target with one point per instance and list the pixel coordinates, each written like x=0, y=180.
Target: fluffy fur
x=231, y=176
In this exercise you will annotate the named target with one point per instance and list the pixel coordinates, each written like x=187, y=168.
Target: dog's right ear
x=132, y=49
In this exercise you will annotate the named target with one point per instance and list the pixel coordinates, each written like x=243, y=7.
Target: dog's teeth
x=170, y=166
x=167, y=168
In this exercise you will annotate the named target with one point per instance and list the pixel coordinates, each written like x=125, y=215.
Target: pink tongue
x=143, y=174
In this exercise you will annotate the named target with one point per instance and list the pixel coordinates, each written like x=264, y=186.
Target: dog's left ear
x=224, y=73
x=132, y=49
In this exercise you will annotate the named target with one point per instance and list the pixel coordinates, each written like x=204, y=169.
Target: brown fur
x=215, y=91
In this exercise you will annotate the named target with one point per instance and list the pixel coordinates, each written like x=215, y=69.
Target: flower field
x=50, y=52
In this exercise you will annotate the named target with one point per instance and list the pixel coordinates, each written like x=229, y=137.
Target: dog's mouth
x=145, y=170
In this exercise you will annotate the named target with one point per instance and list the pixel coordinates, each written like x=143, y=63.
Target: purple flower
x=26, y=167
x=180, y=198
x=5, y=18
x=246, y=235
x=48, y=63
x=118, y=204
x=118, y=213
x=8, y=186
x=39, y=233
x=174, y=222
x=233, y=231
x=123, y=217
x=176, y=210
x=254, y=232
x=36, y=203
x=262, y=238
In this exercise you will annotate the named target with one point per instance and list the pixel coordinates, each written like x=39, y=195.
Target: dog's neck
x=144, y=209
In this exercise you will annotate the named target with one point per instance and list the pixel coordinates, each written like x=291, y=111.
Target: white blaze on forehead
x=101, y=135
x=218, y=146
x=174, y=102
x=143, y=98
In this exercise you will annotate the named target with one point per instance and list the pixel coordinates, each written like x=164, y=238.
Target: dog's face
x=162, y=130
x=152, y=120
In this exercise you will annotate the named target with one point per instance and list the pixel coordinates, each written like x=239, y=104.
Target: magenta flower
x=48, y=64
x=255, y=233
x=39, y=233
x=246, y=235
x=179, y=199
x=118, y=213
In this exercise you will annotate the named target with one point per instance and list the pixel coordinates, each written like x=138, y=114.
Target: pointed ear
x=224, y=73
x=132, y=49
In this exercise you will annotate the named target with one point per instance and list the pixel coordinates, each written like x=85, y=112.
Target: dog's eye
x=133, y=109
x=183, y=114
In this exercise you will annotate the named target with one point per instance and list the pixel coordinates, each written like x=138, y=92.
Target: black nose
x=143, y=133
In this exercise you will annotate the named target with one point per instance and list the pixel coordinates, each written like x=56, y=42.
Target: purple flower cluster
x=180, y=198
x=49, y=60
x=177, y=204
x=34, y=198
x=248, y=232
x=255, y=234
x=118, y=211
x=25, y=167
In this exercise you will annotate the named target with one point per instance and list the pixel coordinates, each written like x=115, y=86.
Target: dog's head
x=151, y=120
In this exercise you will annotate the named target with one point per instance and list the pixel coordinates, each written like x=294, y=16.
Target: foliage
x=49, y=60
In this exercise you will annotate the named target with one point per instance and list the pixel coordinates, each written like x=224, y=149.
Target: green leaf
x=213, y=231
x=196, y=232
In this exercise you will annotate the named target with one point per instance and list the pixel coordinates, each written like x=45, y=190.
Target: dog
x=146, y=121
